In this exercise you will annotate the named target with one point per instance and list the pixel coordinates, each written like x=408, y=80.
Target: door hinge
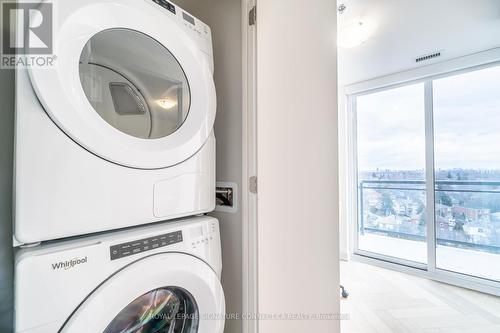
x=252, y=184
x=252, y=16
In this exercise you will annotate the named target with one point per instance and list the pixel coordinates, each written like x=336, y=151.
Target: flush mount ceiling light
x=356, y=32
x=166, y=103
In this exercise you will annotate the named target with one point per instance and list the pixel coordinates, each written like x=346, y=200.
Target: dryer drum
x=134, y=83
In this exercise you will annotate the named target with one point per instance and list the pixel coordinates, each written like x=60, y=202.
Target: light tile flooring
x=385, y=301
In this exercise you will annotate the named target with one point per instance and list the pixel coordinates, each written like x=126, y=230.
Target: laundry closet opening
x=224, y=17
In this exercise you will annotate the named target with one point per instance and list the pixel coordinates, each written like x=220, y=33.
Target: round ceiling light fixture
x=355, y=33
x=166, y=103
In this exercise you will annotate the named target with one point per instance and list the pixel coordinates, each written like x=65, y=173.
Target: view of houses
x=467, y=206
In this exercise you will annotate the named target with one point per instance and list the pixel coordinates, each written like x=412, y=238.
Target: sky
x=391, y=124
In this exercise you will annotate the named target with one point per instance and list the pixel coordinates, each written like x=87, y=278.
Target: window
x=391, y=164
x=456, y=166
x=467, y=163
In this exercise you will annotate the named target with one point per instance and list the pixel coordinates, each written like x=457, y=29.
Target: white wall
x=224, y=18
x=6, y=167
x=297, y=163
x=408, y=29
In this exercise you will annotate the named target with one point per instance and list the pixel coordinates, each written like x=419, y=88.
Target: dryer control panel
x=166, y=5
x=194, y=27
x=145, y=244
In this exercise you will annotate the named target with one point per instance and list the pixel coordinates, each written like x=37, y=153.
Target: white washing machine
x=120, y=131
x=161, y=278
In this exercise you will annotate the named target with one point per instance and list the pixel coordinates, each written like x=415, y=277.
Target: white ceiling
x=411, y=28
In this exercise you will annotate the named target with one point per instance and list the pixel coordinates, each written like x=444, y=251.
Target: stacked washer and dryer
x=116, y=136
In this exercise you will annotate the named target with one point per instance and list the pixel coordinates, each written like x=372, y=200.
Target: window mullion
x=430, y=176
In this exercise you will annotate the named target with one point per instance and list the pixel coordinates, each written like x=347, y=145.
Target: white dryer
x=161, y=278
x=120, y=131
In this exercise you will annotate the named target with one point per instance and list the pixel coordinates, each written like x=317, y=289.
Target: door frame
x=249, y=172
x=419, y=75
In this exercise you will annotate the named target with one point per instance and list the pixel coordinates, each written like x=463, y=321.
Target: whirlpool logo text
x=69, y=264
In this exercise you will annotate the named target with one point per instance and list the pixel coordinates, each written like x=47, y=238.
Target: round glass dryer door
x=134, y=83
x=129, y=83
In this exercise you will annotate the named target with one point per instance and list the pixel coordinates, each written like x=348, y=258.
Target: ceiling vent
x=428, y=57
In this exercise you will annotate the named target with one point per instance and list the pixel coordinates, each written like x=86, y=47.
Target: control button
x=166, y=5
x=122, y=250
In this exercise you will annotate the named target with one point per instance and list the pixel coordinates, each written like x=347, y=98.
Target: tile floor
x=385, y=301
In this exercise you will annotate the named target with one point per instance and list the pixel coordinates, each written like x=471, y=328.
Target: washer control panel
x=146, y=244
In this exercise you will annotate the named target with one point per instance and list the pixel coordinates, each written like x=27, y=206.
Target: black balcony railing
x=456, y=200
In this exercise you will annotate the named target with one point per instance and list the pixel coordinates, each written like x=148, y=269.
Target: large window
x=391, y=164
x=437, y=139
x=467, y=163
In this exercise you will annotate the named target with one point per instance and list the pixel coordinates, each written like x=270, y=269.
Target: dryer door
x=163, y=293
x=129, y=83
